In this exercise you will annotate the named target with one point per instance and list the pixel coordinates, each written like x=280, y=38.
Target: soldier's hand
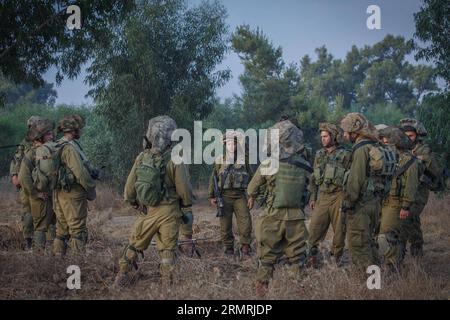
x=213, y=202
x=250, y=203
x=43, y=196
x=312, y=204
x=15, y=181
x=404, y=214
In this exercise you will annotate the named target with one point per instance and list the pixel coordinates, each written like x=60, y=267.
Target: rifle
x=219, y=198
x=188, y=241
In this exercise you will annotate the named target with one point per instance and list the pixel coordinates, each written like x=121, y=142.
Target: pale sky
x=298, y=26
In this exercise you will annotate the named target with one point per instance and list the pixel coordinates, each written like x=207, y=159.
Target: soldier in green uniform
x=27, y=219
x=326, y=188
x=281, y=229
x=430, y=170
x=362, y=203
x=74, y=188
x=40, y=199
x=397, y=205
x=233, y=179
x=161, y=190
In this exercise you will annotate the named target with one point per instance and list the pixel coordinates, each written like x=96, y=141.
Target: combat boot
x=28, y=244
x=261, y=289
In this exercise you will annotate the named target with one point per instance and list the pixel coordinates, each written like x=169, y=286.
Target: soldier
x=397, y=206
x=75, y=186
x=27, y=219
x=41, y=134
x=281, y=228
x=416, y=132
x=326, y=188
x=161, y=191
x=233, y=179
x=361, y=205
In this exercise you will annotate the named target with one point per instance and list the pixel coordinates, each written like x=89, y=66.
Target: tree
x=34, y=37
x=433, y=29
x=162, y=59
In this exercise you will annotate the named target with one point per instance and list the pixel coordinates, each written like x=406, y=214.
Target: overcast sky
x=298, y=26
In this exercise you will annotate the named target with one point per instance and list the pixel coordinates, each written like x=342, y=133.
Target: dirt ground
x=28, y=275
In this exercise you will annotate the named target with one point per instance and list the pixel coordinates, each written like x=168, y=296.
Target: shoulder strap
x=405, y=167
x=299, y=164
x=362, y=144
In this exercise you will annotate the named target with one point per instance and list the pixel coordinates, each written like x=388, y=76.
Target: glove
x=188, y=217
x=91, y=194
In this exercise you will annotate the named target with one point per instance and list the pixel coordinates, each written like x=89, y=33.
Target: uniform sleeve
x=430, y=161
x=25, y=177
x=257, y=181
x=357, y=176
x=14, y=166
x=211, y=183
x=182, y=183
x=313, y=188
x=129, y=193
x=72, y=160
x=411, y=184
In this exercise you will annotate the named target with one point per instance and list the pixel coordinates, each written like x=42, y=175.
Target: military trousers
x=276, y=237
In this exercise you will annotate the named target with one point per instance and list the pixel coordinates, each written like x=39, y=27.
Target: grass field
x=27, y=275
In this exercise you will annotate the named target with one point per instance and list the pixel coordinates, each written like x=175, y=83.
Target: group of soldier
x=373, y=219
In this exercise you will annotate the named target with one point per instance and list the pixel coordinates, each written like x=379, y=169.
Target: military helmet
x=290, y=138
x=408, y=124
x=39, y=129
x=33, y=120
x=357, y=123
x=335, y=131
x=71, y=122
x=159, y=132
x=382, y=130
x=397, y=138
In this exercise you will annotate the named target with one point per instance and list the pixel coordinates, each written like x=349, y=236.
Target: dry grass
x=31, y=276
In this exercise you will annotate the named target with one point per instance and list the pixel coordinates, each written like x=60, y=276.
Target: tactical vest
x=381, y=168
x=288, y=187
x=330, y=168
x=233, y=176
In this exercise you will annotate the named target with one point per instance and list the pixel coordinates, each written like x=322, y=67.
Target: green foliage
x=435, y=116
x=433, y=30
x=34, y=36
x=162, y=59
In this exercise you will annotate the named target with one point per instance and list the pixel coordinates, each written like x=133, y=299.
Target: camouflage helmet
x=33, y=120
x=159, y=132
x=290, y=138
x=335, y=131
x=397, y=138
x=409, y=124
x=382, y=130
x=39, y=129
x=357, y=123
x=71, y=122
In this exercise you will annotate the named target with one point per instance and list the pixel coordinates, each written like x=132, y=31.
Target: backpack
x=435, y=174
x=46, y=172
x=291, y=182
x=150, y=172
x=382, y=166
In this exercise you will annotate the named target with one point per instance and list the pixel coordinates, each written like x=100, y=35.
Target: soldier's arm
x=257, y=181
x=129, y=193
x=25, y=178
x=411, y=184
x=211, y=182
x=14, y=166
x=313, y=188
x=182, y=184
x=72, y=160
x=357, y=176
